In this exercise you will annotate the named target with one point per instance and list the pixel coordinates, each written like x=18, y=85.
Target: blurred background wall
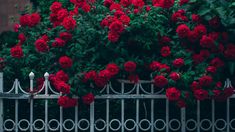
x=9, y=12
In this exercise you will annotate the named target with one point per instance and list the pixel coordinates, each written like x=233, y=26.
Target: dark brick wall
x=9, y=12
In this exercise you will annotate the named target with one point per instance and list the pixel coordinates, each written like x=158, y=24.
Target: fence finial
x=31, y=75
x=46, y=75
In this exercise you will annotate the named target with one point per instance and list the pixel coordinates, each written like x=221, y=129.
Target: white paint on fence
x=137, y=93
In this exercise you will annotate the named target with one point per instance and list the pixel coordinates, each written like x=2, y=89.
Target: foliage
x=86, y=44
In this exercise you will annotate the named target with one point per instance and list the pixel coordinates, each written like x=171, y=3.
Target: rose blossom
x=130, y=66
x=88, y=98
x=113, y=69
x=182, y=30
x=175, y=76
x=41, y=45
x=62, y=76
x=65, y=62
x=178, y=62
x=17, y=52
x=160, y=81
x=200, y=94
x=165, y=51
x=69, y=23
x=205, y=80
x=58, y=43
x=67, y=102
x=173, y=94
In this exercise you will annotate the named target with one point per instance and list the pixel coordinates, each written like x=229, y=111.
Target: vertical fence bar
x=92, y=117
x=61, y=118
x=167, y=115
x=122, y=108
x=152, y=109
x=46, y=76
x=107, y=110
x=213, y=114
x=183, y=118
x=137, y=107
x=16, y=105
x=76, y=118
x=198, y=116
x=228, y=114
x=31, y=77
x=1, y=102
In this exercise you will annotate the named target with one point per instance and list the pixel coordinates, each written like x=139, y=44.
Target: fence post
x=1, y=102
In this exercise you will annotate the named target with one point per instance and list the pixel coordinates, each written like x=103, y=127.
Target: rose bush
x=84, y=44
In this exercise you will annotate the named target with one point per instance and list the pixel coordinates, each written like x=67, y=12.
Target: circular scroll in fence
x=68, y=125
x=191, y=125
x=130, y=124
x=24, y=125
x=54, y=125
x=220, y=124
x=100, y=124
x=115, y=125
x=38, y=125
x=174, y=125
x=9, y=125
x=205, y=124
x=144, y=125
x=83, y=124
x=159, y=124
x=232, y=124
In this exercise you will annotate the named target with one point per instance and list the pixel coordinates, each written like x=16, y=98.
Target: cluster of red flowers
x=30, y=20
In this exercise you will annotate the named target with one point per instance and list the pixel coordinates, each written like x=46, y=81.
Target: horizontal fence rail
x=121, y=106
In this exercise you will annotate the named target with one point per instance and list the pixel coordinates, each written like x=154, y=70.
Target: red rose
x=65, y=62
x=176, y=16
x=104, y=23
x=53, y=18
x=200, y=94
x=89, y=75
x=148, y=8
x=178, y=62
x=136, y=11
x=154, y=66
x=197, y=58
x=53, y=80
x=130, y=66
x=100, y=81
x=200, y=30
x=116, y=27
x=66, y=36
x=164, y=67
x=118, y=13
x=34, y=19
x=195, y=85
x=219, y=84
x=86, y=8
x=205, y=80
x=216, y=93
x=58, y=43
x=192, y=36
x=62, y=76
x=133, y=78
x=22, y=38
x=196, y=18
x=211, y=69
x=138, y=3
x=214, y=35
x=16, y=27
x=88, y=99
x=173, y=94
x=228, y=92
x=160, y=81
x=230, y=51
x=181, y=103
x=206, y=42
x=41, y=45
x=105, y=74
x=17, y=52
x=115, y=6
x=63, y=87
x=164, y=40
x=108, y=3
x=214, y=22
x=125, y=19
x=175, y=76
x=182, y=2
x=217, y=62
x=113, y=69
x=113, y=37
x=69, y=23
x=25, y=20
x=62, y=13
x=165, y=51
x=182, y=30
x=163, y=3
x=67, y=102
x=55, y=7
x=205, y=53
x=125, y=3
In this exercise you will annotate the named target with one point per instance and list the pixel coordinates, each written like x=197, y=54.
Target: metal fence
x=121, y=106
